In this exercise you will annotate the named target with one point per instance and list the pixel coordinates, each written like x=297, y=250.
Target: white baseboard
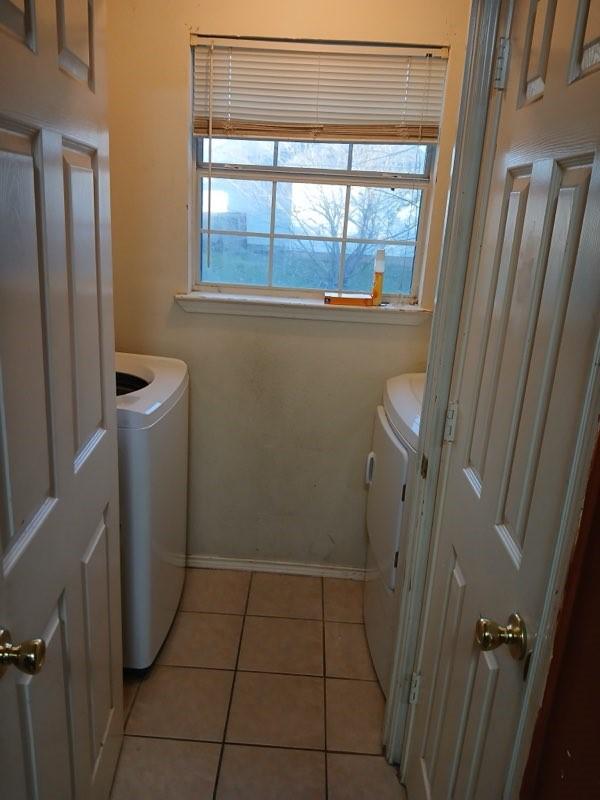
x=287, y=567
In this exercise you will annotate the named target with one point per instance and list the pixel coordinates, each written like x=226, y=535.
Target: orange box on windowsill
x=348, y=299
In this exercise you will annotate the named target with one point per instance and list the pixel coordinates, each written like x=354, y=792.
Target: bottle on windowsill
x=377, y=292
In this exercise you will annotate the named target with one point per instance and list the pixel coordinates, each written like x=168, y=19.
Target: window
x=301, y=176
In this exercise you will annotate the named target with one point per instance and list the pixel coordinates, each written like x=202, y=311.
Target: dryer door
x=385, y=504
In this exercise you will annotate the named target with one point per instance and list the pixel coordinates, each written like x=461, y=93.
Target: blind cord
x=210, y=131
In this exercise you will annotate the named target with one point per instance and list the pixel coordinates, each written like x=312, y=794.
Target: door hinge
x=403, y=492
x=415, y=685
x=501, y=70
x=424, y=464
x=451, y=417
x=396, y=560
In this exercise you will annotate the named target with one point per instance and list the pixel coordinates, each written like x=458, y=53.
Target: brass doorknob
x=27, y=656
x=489, y=635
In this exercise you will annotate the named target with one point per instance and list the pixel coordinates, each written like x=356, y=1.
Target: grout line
x=283, y=674
x=270, y=616
x=324, y=685
x=170, y=738
x=193, y=666
x=270, y=672
x=280, y=616
x=254, y=744
x=237, y=668
x=127, y=712
x=260, y=616
x=120, y=756
x=306, y=749
x=235, y=672
x=212, y=613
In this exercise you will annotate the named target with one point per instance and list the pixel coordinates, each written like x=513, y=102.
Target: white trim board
x=282, y=567
x=252, y=304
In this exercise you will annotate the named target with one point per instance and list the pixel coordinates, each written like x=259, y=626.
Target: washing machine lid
x=167, y=380
x=403, y=400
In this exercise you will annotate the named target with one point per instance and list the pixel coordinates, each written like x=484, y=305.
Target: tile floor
x=263, y=690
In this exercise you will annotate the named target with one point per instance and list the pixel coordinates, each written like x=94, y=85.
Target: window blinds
x=283, y=91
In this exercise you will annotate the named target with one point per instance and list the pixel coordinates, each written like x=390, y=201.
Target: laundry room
x=299, y=399
x=294, y=424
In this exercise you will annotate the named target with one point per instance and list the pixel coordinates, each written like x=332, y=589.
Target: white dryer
x=391, y=466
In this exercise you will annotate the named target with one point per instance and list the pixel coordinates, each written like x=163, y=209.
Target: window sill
x=211, y=301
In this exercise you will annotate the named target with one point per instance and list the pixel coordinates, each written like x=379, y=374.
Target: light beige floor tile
x=162, y=769
x=354, y=716
x=262, y=773
x=347, y=652
x=223, y=591
x=361, y=778
x=284, y=710
x=202, y=640
x=296, y=596
x=182, y=703
x=293, y=646
x=343, y=600
x=131, y=683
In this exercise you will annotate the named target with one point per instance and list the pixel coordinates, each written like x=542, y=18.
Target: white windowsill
x=216, y=301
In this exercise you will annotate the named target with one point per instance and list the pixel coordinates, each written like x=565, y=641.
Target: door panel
x=540, y=23
x=451, y=615
x=46, y=696
x=75, y=38
x=95, y=571
x=524, y=380
x=494, y=324
x=549, y=331
x=59, y=546
x=81, y=227
x=25, y=424
x=17, y=16
x=471, y=781
x=585, y=49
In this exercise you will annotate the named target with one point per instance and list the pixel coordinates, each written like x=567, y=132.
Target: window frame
x=347, y=178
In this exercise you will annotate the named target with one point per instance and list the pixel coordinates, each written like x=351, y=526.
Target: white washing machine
x=152, y=420
x=391, y=466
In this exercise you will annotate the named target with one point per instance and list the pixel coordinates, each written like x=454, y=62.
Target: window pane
x=309, y=209
x=306, y=263
x=359, y=267
x=237, y=205
x=313, y=155
x=239, y=151
x=381, y=213
x=406, y=158
x=235, y=259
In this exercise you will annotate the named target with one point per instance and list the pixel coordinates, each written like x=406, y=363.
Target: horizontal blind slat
x=256, y=91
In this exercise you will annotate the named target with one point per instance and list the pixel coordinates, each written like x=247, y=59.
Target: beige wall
x=281, y=410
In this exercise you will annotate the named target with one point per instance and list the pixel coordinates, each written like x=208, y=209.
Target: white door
x=59, y=578
x=525, y=379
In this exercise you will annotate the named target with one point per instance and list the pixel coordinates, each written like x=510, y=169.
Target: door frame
x=478, y=123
